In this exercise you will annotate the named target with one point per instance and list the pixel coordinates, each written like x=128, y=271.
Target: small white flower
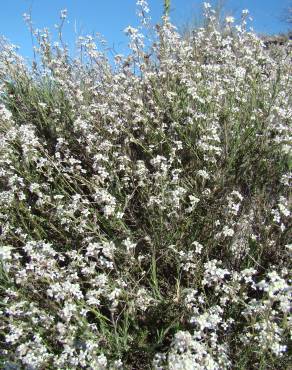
x=102, y=361
x=63, y=14
x=204, y=174
x=227, y=231
x=198, y=247
x=229, y=19
x=5, y=252
x=130, y=246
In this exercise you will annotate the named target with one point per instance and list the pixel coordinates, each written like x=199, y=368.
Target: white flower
x=227, y=231
x=102, y=361
x=63, y=14
x=194, y=200
x=229, y=19
x=130, y=30
x=198, y=247
x=204, y=174
x=130, y=246
x=5, y=252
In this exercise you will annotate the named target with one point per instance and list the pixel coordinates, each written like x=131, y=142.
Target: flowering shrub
x=145, y=202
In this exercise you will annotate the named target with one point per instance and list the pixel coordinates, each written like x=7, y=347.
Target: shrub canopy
x=145, y=203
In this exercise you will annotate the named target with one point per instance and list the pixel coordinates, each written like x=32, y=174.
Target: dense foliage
x=145, y=202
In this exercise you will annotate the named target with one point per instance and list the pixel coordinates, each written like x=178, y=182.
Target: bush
x=145, y=203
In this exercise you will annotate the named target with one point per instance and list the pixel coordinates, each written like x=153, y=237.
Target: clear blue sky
x=110, y=17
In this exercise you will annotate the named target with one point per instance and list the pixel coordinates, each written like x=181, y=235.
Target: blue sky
x=110, y=17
